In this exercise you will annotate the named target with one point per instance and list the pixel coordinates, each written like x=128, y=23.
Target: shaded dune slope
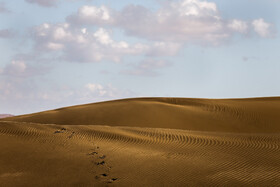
x=256, y=115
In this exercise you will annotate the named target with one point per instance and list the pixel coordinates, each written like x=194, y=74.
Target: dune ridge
x=145, y=142
x=255, y=115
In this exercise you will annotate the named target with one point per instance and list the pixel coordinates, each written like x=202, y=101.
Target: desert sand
x=145, y=142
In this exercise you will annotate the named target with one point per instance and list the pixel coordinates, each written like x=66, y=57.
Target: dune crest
x=256, y=115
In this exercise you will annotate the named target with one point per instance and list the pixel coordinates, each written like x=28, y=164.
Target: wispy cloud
x=45, y=3
x=17, y=96
x=19, y=69
x=148, y=67
x=6, y=33
x=3, y=8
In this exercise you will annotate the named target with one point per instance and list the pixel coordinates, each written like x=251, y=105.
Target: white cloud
x=93, y=12
x=262, y=28
x=194, y=8
x=59, y=33
x=238, y=25
x=167, y=29
x=81, y=45
x=96, y=88
x=84, y=30
x=103, y=37
x=181, y=21
x=97, y=91
x=92, y=15
x=55, y=46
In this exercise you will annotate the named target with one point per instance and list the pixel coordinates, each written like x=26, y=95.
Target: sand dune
x=145, y=142
x=259, y=115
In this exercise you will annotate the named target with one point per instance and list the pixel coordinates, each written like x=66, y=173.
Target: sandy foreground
x=145, y=142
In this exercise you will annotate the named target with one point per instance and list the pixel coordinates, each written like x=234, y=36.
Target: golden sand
x=145, y=142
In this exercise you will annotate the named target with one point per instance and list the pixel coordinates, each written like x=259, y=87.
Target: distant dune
x=5, y=116
x=145, y=142
x=218, y=115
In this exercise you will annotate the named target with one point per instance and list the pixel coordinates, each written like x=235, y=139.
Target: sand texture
x=145, y=142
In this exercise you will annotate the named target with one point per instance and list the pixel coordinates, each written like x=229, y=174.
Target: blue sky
x=57, y=53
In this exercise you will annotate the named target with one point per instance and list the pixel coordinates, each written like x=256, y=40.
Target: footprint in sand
x=93, y=153
x=71, y=135
x=112, y=180
x=101, y=163
x=103, y=175
x=60, y=131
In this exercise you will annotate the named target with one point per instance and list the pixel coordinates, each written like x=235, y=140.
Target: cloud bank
x=80, y=45
x=184, y=21
x=87, y=35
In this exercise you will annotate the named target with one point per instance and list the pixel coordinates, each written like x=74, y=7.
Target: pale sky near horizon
x=57, y=53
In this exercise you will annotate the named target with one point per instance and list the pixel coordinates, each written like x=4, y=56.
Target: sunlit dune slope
x=78, y=155
x=260, y=115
